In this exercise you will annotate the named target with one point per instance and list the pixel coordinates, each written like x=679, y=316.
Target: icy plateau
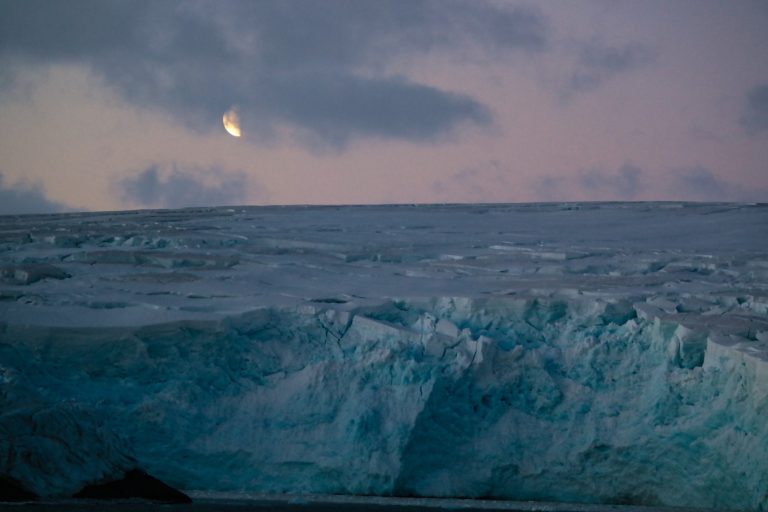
x=595, y=353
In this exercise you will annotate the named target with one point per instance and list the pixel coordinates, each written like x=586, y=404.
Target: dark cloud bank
x=22, y=199
x=153, y=188
x=314, y=65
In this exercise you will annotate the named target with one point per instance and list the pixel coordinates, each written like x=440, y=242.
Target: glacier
x=607, y=353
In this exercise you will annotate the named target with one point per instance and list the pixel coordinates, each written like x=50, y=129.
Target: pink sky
x=111, y=105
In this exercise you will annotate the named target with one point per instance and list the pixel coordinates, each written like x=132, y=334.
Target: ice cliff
x=604, y=353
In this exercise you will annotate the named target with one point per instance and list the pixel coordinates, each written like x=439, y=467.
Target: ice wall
x=524, y=398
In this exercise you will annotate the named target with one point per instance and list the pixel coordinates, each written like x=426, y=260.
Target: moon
x=232, y=122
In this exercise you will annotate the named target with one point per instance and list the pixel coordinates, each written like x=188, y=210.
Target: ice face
x=599, y=353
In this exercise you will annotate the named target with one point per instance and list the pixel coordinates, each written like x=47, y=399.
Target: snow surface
x=596, y=353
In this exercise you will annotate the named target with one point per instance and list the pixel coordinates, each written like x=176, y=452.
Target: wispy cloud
x=485, y=182
x=625, y=184
x=755, y=119
x=630, y=182
x=701, y=184
x=598, y=63
x=26, y=198
x=174, y=188
x=315, y=66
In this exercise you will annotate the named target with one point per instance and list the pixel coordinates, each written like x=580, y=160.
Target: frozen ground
x=595, y=353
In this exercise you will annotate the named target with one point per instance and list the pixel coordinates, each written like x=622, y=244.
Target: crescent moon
x=232, y=122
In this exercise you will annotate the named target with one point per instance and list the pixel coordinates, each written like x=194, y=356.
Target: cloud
x=598, y=63
x=486, y=182
x=701, y=184
x=630, y=183
x=755, y=119
x=550, y=188
x=335, y=109
x=313, y=65
x=626, y=183
x=154, y=188
x=20, y=199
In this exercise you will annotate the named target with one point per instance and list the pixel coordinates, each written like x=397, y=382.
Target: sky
x=113, y=105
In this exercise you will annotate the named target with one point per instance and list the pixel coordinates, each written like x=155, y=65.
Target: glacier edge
x=516, y=398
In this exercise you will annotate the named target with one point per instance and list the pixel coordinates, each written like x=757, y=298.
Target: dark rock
x=135, y=484
x=13, y=490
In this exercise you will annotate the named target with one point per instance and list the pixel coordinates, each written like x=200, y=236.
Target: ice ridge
x=528, y=399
